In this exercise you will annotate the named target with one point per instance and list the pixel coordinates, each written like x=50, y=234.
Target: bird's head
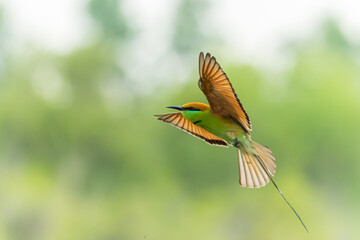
x=191, y=107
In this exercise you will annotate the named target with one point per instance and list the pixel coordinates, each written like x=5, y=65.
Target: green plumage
x=224, y=128
x=225, y=118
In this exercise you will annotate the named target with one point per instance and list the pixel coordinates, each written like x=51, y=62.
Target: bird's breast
x=222, y=127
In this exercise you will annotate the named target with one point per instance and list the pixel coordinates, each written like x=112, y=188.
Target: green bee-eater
x=225, y=122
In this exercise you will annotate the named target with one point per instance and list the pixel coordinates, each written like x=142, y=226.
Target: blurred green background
x=82, y=157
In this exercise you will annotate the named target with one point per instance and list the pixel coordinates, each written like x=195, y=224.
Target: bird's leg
x=236, y=143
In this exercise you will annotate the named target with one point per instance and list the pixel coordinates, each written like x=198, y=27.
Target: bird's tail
x=257, y=167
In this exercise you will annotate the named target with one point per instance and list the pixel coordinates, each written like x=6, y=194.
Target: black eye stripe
x=192, y=109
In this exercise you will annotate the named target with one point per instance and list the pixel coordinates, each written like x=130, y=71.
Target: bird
x=225, y=122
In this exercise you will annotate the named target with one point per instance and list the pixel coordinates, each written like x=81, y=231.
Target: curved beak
x=176, y=107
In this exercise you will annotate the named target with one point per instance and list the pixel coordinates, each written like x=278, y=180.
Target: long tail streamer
x=282, y=195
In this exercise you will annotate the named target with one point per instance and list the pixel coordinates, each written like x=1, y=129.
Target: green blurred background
x=82, y=157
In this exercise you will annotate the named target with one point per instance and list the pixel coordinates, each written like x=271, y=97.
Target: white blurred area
x=257, y=29
x=54, y=25
x=251, y=32
x=252, y=29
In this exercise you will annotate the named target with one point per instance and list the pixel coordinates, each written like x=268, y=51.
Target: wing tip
x=217, y=142
x=207, y=55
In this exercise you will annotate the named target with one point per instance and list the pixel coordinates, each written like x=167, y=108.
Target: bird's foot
x=236, y=143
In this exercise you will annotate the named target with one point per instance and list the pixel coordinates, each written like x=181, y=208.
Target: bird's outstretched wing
x=179, y=121
x=220, y=93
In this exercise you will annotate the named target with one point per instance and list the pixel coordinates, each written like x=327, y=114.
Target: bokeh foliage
x=76, y=165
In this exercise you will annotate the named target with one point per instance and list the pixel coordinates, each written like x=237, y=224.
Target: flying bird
x=224, y=122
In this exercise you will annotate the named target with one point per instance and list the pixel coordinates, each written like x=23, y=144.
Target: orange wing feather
x=179, y=121
x=219, y=92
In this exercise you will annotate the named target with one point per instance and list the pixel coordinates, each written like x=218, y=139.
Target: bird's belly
x=225, y=129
